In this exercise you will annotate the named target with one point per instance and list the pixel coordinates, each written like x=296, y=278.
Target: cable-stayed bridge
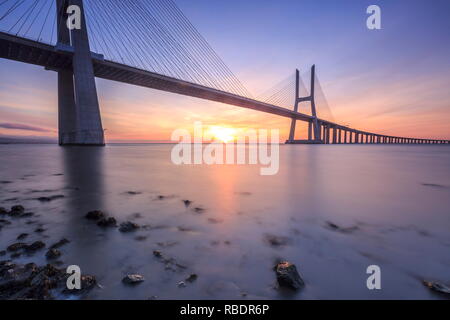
x=149, y=43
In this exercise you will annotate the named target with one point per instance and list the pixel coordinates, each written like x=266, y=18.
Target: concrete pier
x=80, y=121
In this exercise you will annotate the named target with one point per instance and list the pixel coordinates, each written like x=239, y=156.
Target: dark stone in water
x=2, y=253
x=39, y=230
x=53, y=254
x=3, y=211
x=287, y=276
x=192, y=277
x=25, y=282
x=128, y=226
x=276, y=241
x=133, y=279
x=187, y=203
x=16, y=246
x=95, y=215
x=22, y=236
x=133, y=193
x=438, y=287
x=59, y=244
x=199, y=210
x=5, y=222
x=37, y=245
x=26, y=214
x=335, y=227
x=16, y=210
x=107, y=222
x=51, y=198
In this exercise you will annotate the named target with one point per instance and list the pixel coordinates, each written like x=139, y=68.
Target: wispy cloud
x=19, y=126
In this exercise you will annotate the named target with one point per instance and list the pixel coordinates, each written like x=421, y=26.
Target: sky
x=393, y=81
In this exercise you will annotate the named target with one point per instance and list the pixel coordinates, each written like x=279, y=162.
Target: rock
x=16, y=246
x=2, y=253
x=438, y=287
x=3, y=211
x=161, y=197
x=5, y=222
x=37, y=245
x=140, y=238
x=276, y=241
x=53, y=254
x=199, y=210
x=181, y=284
x=95, y=215
x=187, y=203
x=39, y=230
x=22, y=236
x=133, y=193
x=192, y=277
x=335, y=227
x=59, y=244
x=16, y=211
x=26, y=214
x=133, y=279
x=157, y=253
x=128, y=226
x=287, y=275
x=107, y=222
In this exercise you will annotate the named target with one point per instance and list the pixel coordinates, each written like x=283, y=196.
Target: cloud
x=18, y=126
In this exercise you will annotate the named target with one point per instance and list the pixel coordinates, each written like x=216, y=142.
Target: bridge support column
x=334, y=135
x=80, y=121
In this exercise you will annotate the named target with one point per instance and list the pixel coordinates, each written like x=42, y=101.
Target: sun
x=222, y=133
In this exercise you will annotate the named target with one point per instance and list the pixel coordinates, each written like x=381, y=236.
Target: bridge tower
x=313, y=124
x=78, y=108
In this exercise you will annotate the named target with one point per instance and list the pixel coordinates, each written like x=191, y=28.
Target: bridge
x=166, y=53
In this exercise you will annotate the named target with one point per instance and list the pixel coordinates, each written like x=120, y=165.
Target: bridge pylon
x=314, y=134
x=78, y=108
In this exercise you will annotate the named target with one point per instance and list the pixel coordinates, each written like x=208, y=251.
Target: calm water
x=397, y=197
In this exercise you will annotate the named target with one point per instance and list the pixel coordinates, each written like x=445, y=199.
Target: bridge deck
x=54, y=58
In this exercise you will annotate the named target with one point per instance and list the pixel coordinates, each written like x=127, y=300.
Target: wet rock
x=199, y=210
x=157, y=253
x=37, y=245
x=39, y=230
x=16, y=211
x=335, y=227
x=167, y=244
x=95, y=215
x=160, y=197
x=26, y=214
x=2, y=253
x=128, y=226
x=3, y=211
x=107, y=222
x=16, y=247
x=5, y=182
x=181, y=284
x=192, y=277
x=140, y=238
x=214, y=221
x=16, y=255
x=287, y=275
x=53, y=254
x=133, y=279
x=187, y=203
x=5, y=222
x=438, y=287
x=276, y=241
x=59, y=244
x=22, y=236
x=133, y=193
x=51, y=198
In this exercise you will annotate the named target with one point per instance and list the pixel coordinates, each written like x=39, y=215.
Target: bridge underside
x=61, y=58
